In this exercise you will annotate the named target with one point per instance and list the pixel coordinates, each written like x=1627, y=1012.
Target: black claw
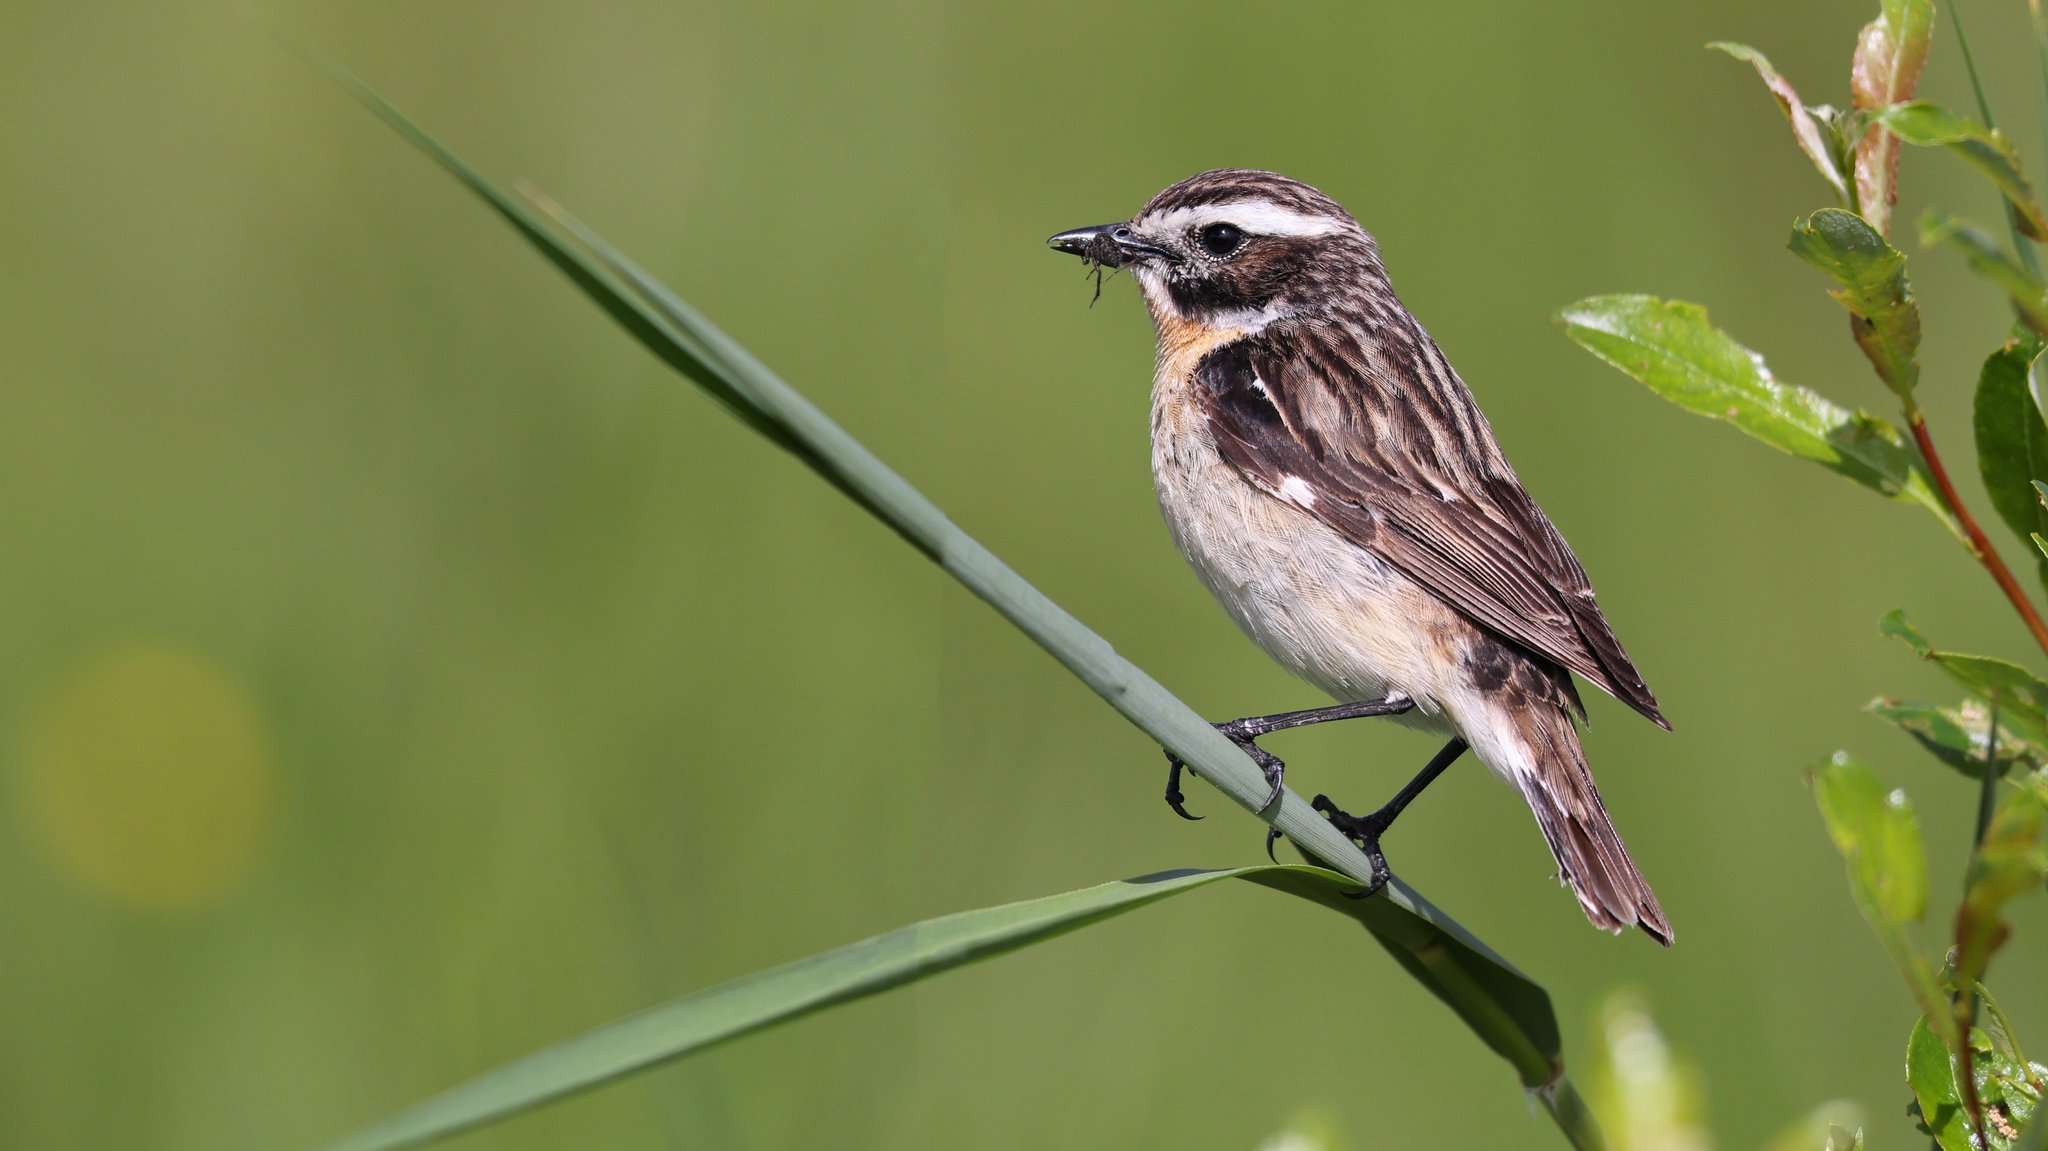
x=1174, y=799
x=1272, y=837
x=1365, y=832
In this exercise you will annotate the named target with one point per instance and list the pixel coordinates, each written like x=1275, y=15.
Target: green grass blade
x=1507, y=1011
x=713, y=1016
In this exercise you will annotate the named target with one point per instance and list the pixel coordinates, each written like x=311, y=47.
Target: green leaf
x=1890, y=53
x=2005, y=1090
x=2009, y=862
x=1843, y=1139
x=1670, y=347
x=2012, y=440
x=1883, y=317
x=1933, y=1079
x=1519, y=1024
x=2028, y=295
x=2022, y=696
x=1959, y=736
x=1806, y=131
x=1878, y=836
x=1507, y=1011
x=1986, y=149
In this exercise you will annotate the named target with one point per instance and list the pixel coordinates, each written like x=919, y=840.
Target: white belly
x=1326, y=609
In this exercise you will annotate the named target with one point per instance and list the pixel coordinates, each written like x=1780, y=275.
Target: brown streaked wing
x=1492, y=553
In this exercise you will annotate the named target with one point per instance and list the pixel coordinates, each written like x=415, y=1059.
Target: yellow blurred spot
x=148, y=777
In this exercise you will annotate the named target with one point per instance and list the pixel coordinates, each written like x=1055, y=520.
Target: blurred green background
x=403, y=670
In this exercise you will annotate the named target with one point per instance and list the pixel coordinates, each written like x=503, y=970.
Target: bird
x=1333, y=482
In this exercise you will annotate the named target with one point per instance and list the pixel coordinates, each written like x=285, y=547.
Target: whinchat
x=1333, y=482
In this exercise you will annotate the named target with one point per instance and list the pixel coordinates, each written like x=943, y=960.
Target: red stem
x=1979, y=545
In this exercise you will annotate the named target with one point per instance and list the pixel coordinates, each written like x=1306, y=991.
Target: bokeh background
x=402, y=670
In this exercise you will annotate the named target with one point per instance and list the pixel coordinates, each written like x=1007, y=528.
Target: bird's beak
x=1111, y=245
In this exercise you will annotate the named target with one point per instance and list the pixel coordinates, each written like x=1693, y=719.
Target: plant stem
x=1980, y=545
x=2011, y=1037
x=1967, y=1003
x=1987, y=796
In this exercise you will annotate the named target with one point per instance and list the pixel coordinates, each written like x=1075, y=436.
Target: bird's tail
x=1590, y=855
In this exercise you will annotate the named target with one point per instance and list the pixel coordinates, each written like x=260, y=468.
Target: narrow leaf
x=2029, y=296
x=1884, y=319
x=1960, y=736
x=1670, y=347
x=1985, y=149
x=1889, y=56
x=1878, y=836
x=2012, y=439
x=1524, y=1024
x=2022, y=696
x=1806, y=131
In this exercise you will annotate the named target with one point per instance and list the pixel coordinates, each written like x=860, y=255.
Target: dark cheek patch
x=1248, y=281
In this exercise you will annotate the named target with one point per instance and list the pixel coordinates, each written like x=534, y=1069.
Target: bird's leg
x=1245, y=732
x=1366, y=830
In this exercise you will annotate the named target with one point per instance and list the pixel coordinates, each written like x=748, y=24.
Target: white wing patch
x=1295, y=490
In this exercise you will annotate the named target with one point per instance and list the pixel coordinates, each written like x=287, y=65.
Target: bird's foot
x=1244, y=733
x=1365, y=831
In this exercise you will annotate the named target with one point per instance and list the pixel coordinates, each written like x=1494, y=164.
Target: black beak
x=1111, y=245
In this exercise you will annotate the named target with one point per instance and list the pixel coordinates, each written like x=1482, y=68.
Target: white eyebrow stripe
x=1259, y=217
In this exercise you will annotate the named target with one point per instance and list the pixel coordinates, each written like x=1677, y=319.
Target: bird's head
x=1235, y=248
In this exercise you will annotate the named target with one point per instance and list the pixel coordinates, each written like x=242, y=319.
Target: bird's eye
x=1221, y=239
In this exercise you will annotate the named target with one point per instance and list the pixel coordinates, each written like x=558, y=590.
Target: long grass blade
x=1507, y=1011
x=698, y=1022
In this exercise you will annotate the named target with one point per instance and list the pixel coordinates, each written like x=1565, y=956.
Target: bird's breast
x=1323, y=607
